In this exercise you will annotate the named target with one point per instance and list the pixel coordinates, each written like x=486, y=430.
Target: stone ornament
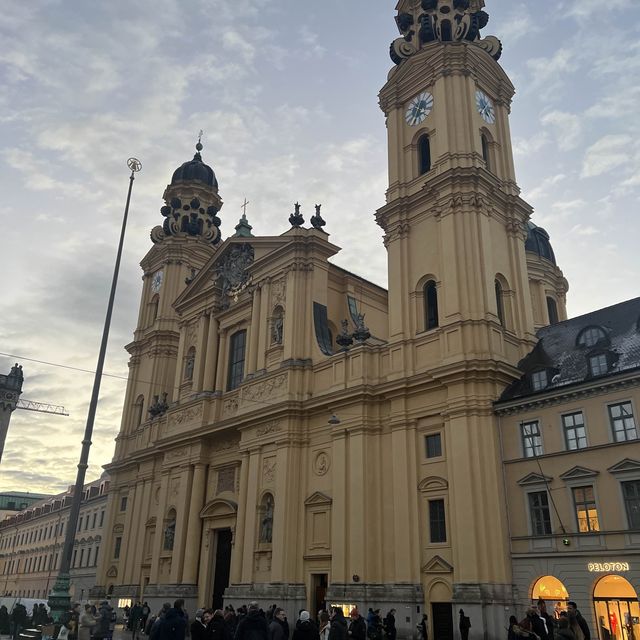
x=269, y=469
x=422, y=22
x=226, y=480
x=322, y=464
x=232, y=274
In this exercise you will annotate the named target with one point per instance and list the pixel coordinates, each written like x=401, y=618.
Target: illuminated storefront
x=616, y=608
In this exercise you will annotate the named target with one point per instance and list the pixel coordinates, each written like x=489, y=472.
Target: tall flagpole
x=60, y=596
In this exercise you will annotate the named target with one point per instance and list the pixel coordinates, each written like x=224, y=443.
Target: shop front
x=606, y=593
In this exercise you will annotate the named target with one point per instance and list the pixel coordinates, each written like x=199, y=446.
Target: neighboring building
x=293, y=433
x=14, y=501
x=10, y=391
x=31, y=544
x=569, y=433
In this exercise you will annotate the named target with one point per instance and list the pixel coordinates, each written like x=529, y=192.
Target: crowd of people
x=560, y=624
x=19, y=618
x=253, y=623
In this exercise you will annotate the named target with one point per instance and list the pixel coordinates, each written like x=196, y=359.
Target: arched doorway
x=617, y=609
x=440, y=597
x=553, y=592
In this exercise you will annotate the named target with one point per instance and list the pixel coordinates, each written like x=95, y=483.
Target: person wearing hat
x=306, y=628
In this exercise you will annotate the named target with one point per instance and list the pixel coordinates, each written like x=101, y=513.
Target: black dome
x=195, y=171
x=538, y=242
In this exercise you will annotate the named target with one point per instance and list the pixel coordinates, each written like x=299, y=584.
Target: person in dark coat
x=155, y=627
x=564, y=632
x=253, y=626
x=390, y=625
x=357, y=627
x=277, y=628
x=173, y=626
x=306, y=628
x=338, y=628
x=19, y=619
x=5, y=628
x=199, y=628
x=548, y=619
x=103, y=626
x=217, y=626
x=423, y=627
x=572, y=607
x=135, y=618
x=464, y=625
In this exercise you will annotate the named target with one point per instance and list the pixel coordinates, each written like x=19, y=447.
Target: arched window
x=237, y=353
x=189, y=364
x=552, y=309
x=431, y=305
x=550, y=588
x=155, y=302
x=266, y=519
x=169, y=531
x=591, y=336
x=485, y=150
x=499, y=301
x=138, y=411
x=424, y=154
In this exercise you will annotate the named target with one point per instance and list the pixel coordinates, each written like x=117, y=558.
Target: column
x=211, y=358
x=180, y=501
x=179, y=367
x=254, y=332
x=201, y=352
x=157, y=542
x=339, y=509
x=131, y=532
x=239, y=534
x=250, y=513
x=194, y=525
x=221, y=383
x=263, y=337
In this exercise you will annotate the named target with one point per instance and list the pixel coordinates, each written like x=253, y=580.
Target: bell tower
x=188, y=237
x=455, y=224
x=460, y=311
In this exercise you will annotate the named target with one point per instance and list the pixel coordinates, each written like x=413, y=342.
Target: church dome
x=195, y=171
x=538, y=242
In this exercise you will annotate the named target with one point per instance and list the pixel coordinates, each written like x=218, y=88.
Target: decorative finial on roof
x=296, y=218
x=199, y=146
x=316, y=221
x=428, y=21
x=243, y=228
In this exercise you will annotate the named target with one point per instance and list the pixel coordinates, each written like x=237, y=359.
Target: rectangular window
x=101, y=518
x=434, y=445
x=539, y=380
x=123, y=503
x=586, y=511
x=81, y=557
x=116, y=547
x=236, y=360
x=540, y=514
x=598, y=365
x=80, y=524
x=575, y=434
x=437, y=524
x=93, y=522
x=631, y=493
x=95, y=557
x=622, y=422
x=75, y=557
x=531, y=439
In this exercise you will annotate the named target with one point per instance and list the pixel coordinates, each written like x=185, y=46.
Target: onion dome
x=195, y=171
x=538, y=242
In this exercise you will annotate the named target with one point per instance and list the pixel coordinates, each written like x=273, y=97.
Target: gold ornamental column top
x=422, y=22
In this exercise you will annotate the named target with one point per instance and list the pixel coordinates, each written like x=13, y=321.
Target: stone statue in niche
x=189, y=365
x=266, y=524
x=277, y=328
x=169, y=535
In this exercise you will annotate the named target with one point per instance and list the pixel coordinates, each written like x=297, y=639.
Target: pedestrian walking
x=338, y=629
x=253, y=626
x=464, y=625
x=305, y=628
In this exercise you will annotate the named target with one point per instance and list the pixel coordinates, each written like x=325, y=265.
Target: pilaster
x=194, y=525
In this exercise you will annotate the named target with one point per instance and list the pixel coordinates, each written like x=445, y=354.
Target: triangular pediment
x=579, y=472
x=534, y=478
x=437, y=565
x=318, y=498
x=433, y=483
x=112, y=573
x=628, y=464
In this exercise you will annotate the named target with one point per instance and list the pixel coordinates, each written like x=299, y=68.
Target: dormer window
x=598, y=364
x=591, y=336
x=539, y=380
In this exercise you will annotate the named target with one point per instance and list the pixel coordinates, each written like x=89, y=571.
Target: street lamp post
x=60, y=597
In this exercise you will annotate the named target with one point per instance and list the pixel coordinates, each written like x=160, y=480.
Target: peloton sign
x=605, y=567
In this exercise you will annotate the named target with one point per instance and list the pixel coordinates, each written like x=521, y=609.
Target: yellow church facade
x=295, y=434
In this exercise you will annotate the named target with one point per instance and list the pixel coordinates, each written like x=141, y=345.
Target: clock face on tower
x=419, y=108
x=485, y=107
x=156, y=281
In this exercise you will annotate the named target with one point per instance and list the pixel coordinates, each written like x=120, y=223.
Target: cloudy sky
x=286, y=92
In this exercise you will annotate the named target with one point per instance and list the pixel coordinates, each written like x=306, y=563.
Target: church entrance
x=222, y=566
x=442, y=620
x=319, y=584
x=617, y=609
